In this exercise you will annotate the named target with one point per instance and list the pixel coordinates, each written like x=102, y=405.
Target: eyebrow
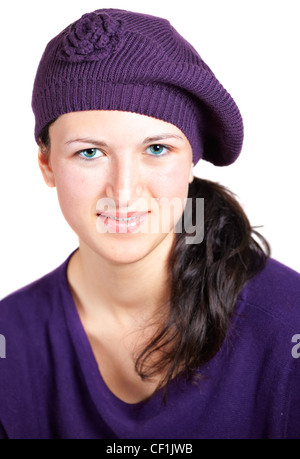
x=101, y=143
x=162, y=137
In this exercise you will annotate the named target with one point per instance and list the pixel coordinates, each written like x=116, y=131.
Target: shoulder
x=30, y=319
x=32, y=331
x=33, y=303
x=275, y=292
x=264, y=347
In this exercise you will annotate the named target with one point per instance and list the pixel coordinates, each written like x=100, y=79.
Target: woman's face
x=121, y=179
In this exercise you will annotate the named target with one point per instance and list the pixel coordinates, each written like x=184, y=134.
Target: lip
x=122, y=215
x=122, y=223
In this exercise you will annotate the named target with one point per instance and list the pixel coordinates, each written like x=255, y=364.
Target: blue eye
x=157, y=150
x=90, y=153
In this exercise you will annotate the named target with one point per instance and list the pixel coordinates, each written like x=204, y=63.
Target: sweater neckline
x=99, y=390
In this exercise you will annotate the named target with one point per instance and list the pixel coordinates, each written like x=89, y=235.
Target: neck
x=124, y=291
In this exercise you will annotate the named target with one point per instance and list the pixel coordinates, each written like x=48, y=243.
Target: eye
x=90, y=153
x=157, y=150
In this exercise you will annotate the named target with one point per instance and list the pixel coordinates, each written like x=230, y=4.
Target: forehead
x=113, y=123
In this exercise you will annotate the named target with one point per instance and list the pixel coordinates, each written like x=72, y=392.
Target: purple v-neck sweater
x=51, y=387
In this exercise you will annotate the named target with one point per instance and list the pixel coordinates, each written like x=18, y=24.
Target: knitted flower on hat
x=92, y=37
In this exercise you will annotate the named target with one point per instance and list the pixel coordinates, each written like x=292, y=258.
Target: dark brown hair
x=204, y=283
x=44, y=137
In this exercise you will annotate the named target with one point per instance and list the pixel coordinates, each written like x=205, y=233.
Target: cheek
x=173, y=182
x=171, y=191
x=75, y=195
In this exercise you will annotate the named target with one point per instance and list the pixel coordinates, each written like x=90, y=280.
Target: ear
x=191, y=176
x=45, y=166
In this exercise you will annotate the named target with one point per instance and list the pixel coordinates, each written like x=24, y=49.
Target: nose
x=125, y=183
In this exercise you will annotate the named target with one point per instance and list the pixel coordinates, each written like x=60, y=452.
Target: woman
x=153, y=327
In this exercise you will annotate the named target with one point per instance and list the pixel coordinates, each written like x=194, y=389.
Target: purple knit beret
x=113, y=59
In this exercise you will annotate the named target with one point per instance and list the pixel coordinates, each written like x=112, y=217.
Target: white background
x=253, y=48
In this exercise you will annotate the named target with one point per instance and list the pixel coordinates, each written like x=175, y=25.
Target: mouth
x=122, y=223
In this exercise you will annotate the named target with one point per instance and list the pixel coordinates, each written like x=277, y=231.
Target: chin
x=128, y=249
